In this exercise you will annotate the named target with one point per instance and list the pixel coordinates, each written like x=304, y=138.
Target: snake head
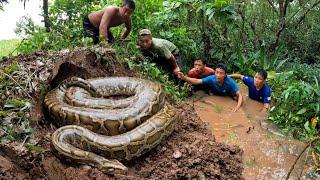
x=113, y=167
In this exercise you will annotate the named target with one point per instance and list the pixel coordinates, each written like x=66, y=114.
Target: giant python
x=101, y=131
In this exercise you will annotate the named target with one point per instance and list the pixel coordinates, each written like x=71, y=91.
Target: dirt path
x=267, y=154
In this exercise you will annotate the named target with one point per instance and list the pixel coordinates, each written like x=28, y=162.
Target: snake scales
x=98, y=130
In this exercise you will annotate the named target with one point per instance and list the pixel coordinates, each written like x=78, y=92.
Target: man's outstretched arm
x=190, y=80
x=237, y=76
x=175, y=65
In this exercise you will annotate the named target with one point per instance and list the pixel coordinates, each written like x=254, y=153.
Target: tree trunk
x=46, y=15
x=205, y=38
x=283, y=6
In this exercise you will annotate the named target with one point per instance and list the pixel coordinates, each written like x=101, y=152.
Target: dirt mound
x=190, y=152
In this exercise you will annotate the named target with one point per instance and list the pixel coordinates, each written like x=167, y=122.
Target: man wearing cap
x=163, y=52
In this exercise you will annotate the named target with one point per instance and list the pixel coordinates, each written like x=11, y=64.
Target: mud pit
x=190, y=151
x=268, y=154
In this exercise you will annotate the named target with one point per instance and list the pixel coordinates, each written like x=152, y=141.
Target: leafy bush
x=65, y=19
x=14, y=111
x=8, y=47
x=296, y=97
x=257, y=60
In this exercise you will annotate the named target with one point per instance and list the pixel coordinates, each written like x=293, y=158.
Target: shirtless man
x=99, y=23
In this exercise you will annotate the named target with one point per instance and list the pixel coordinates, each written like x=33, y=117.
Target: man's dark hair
x=130, y=3
x=222, y=66
x=263, y=73
x=203, y=59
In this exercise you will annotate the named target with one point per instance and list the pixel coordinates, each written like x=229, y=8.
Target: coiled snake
x=99, y=131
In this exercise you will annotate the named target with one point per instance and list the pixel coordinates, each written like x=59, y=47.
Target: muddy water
x=267, y=153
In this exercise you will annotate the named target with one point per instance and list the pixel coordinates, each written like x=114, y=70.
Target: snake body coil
x=98, y=130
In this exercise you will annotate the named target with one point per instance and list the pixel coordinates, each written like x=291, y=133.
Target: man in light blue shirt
x=220, y=84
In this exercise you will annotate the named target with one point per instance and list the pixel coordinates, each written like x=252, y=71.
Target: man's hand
x=265, y=108
x=180, y=75
x=235, y=109
x=176, y=70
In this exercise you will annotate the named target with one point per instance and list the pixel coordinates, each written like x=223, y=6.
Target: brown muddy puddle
x=267, y=153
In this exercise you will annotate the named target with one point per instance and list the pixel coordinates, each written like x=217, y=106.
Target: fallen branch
x=295, y=162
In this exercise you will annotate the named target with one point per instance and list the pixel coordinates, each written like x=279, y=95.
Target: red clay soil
x=189, y=152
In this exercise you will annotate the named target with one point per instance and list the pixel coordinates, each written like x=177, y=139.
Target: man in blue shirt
x=258, y=89
x=220, y=84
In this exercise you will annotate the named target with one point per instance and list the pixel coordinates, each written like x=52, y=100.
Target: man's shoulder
x=112, y=8
x=230, y=81
x=266, y=89
x=158, y=43
x=247, y=80
x=246, y=77
x=209, y=70
x=211, y=77
x=192, y=72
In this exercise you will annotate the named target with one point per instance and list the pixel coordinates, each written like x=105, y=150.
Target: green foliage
x=180, y=23
x=257, y=60
x=218, y=109
x=14, y=110
x=296, y=96
x=66, y=30
x=14, y=67
x=14, y=126
x=245, y=35
x=35, y=148
x=8, y=47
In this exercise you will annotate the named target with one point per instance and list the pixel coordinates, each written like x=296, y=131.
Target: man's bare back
x=112, y=12
x=98, y=24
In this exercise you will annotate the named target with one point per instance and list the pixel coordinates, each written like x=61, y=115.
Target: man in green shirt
x=163, y=52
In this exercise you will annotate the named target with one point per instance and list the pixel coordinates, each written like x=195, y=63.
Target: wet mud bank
x=268, y=153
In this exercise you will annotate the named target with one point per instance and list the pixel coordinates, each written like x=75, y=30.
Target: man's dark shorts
x=91, y=31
